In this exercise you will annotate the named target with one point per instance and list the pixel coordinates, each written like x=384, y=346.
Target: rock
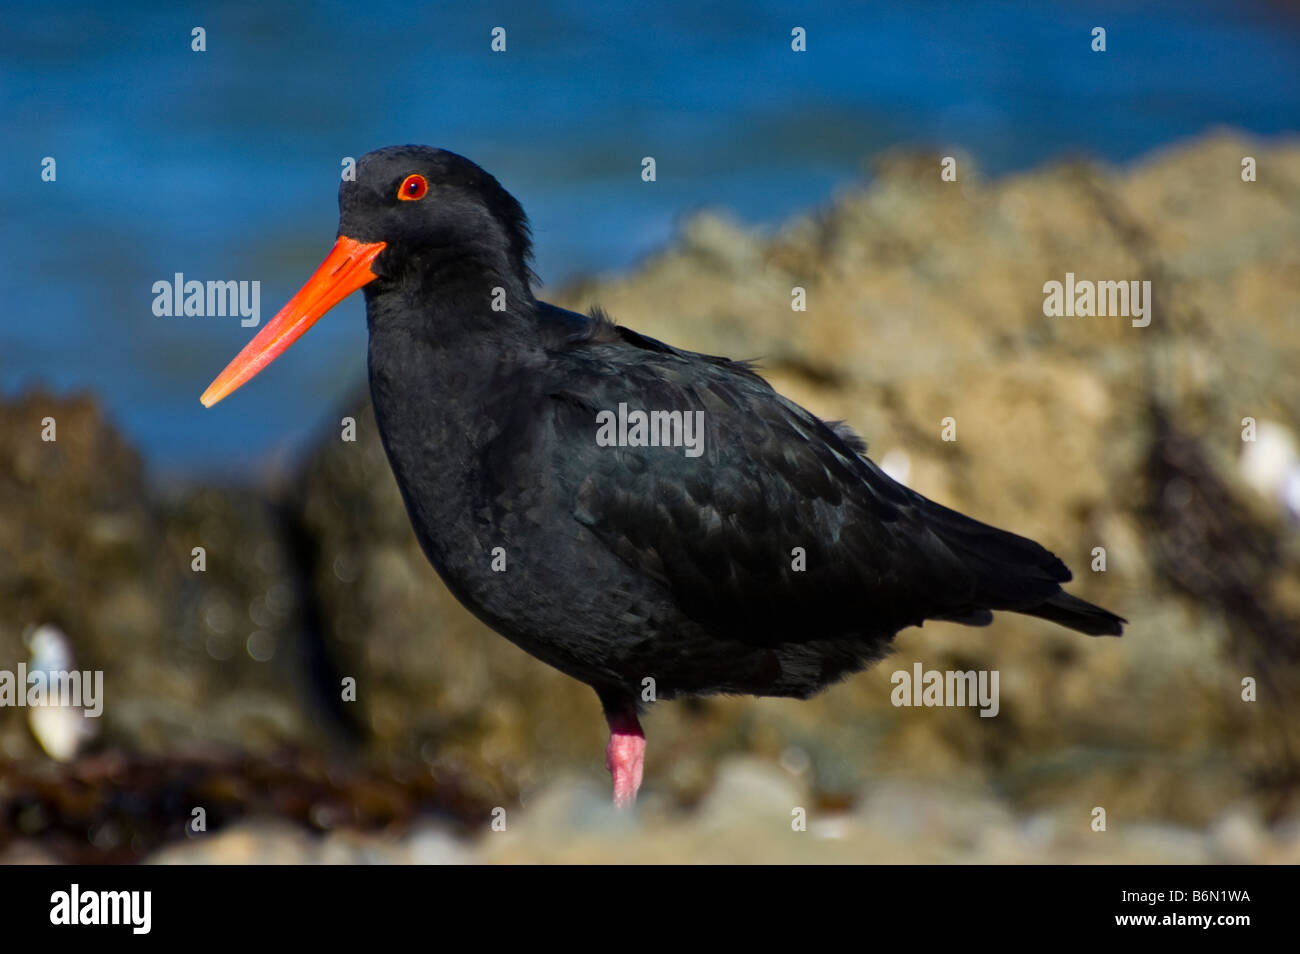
x=433, y=845
x=752, y=790
x=1238, y=838
x=88, y=546
x=263, y=843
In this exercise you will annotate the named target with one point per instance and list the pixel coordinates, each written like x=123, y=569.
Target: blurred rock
x=752, y=790
x=86, y=544
x=117, y=808
x=269, y=842
x=1238, y=838
x=899, y=823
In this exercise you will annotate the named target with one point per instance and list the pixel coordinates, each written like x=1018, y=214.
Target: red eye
x=413, y=187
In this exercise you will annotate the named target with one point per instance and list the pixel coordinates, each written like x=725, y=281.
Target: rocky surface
x=189, y=657
x=759, y=813
x=924, y=302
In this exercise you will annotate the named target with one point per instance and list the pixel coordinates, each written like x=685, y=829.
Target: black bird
x=651, y=521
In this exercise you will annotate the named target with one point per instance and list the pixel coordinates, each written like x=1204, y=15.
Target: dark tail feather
x=1079, y=615
x=1011, y=573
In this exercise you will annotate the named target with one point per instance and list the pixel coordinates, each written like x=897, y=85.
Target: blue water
x=224, y=164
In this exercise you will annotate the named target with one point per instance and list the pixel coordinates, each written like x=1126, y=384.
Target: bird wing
x=781, y=525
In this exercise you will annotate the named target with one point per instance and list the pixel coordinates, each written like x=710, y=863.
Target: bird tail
x=1013, y=573
x=1079, y=615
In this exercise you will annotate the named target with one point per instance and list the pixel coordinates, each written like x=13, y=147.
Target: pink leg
x=625, y=755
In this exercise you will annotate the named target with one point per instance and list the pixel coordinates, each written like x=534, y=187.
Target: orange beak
x=344, y=270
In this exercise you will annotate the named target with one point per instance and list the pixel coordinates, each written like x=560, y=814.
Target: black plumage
x=626, y=564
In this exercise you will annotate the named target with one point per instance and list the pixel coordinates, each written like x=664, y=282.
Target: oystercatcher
x=545, y=462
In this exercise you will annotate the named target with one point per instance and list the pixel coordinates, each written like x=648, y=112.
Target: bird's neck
x=447, y=376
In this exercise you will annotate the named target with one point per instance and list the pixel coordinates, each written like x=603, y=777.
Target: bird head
x=406, y=210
